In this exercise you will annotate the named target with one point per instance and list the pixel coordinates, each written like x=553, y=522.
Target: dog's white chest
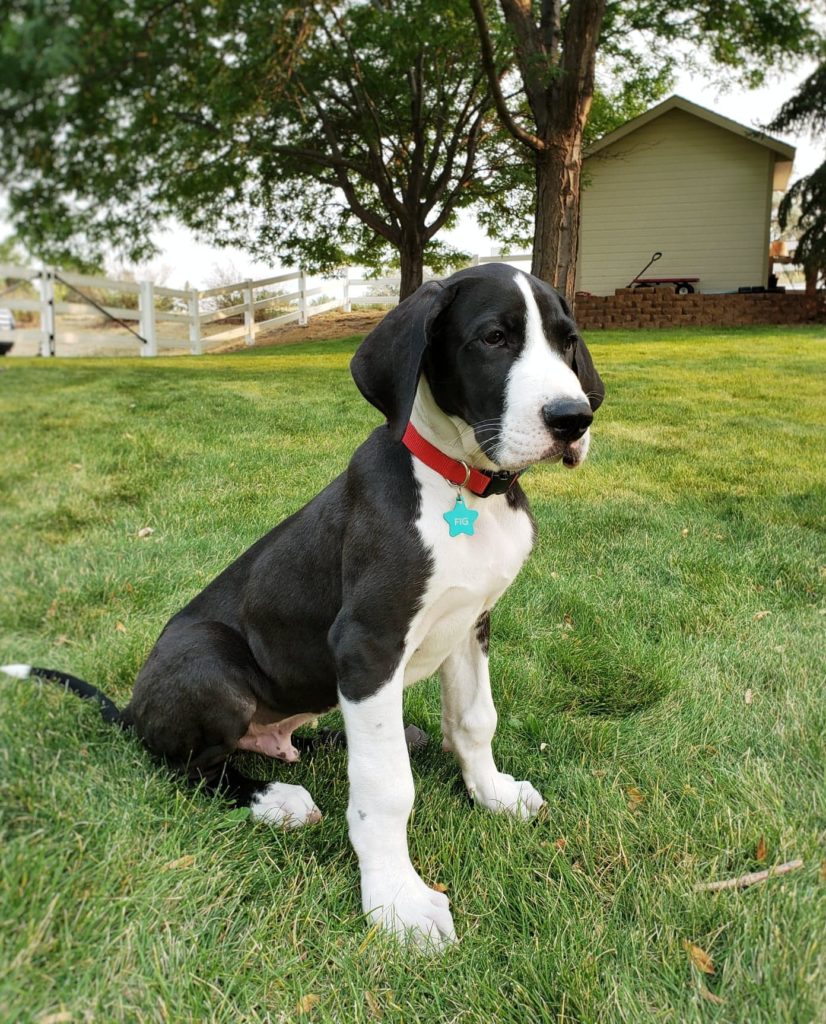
x=470, y=573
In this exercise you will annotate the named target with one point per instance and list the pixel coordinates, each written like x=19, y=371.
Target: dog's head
x=500, y=351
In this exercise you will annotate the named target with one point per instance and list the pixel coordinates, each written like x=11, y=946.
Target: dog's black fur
x=321, y=604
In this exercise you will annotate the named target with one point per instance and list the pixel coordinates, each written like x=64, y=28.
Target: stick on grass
x=746, y=880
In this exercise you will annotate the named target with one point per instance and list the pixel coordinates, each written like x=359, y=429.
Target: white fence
x=152, y=319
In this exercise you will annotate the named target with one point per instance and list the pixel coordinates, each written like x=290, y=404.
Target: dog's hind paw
x=285, y=805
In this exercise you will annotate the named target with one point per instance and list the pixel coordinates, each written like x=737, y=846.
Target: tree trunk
x=411, y=256
x=811, y=273
x=556, y=228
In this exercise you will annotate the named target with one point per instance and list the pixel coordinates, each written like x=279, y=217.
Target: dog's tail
x=110, y=712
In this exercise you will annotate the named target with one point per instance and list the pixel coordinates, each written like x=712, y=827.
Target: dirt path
x=325, y=326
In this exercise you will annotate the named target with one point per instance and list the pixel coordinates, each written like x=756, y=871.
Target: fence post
x=302, y=298
x=147, y=321
x=249, y=314
x=346, y=305
x=47, y=317
x=196, y=346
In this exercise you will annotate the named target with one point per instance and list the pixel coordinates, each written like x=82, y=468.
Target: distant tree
x=11, y=251
x=803, y=208
x=315, y=131
x=555, y=48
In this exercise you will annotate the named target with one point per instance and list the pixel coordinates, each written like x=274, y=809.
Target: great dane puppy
x=385, y=577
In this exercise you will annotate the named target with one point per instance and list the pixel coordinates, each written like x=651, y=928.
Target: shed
x=689, y=183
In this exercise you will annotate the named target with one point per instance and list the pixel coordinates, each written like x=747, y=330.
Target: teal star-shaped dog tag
x=460, y=518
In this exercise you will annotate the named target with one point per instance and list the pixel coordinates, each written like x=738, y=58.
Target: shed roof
x=784, y=153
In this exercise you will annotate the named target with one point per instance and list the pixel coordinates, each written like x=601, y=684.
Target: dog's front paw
x=502, y=793
x=285, y=805
x=402, y=904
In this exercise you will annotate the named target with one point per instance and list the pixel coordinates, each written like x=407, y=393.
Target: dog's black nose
x=567, y=418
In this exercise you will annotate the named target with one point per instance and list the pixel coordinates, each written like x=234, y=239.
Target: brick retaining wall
x=661, y=307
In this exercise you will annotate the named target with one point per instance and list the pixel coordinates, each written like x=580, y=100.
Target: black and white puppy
x=366, y=590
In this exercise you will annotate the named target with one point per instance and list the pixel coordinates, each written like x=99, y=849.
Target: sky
x=190, y=261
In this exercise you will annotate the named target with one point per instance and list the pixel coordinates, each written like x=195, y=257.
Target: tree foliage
x=804, y=205
x=312, y=131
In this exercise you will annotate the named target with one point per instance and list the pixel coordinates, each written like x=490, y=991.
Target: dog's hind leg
x=194, y=705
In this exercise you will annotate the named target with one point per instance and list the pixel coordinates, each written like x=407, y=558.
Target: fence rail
x=164, y=318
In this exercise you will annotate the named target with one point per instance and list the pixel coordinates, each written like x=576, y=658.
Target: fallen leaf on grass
x=748, y=697
x=372, y=1004
x=55, y=1018
x=561, y=843
x=710, y=996
x=760, y=852
x=182, y=862
x=636, y=798
x=237, y=814
x=145, y=531
x=306, y=1003
x=698, y=957
x=119, y=626
x=76, y=465
x=760, y=615
x=440, y=887
x=684, y=532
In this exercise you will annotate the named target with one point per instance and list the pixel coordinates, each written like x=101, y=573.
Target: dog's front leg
x=468, y=725
x=381, y=799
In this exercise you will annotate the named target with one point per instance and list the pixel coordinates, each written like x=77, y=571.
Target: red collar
x=479, y=481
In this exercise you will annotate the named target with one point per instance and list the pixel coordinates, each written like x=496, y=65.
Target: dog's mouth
x=519, y=457
x=571, y=455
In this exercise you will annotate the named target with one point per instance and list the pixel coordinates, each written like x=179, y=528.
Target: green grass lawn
x=658, y=668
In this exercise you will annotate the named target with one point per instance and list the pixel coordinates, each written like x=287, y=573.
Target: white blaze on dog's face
x=546, y=411
x=507, y=359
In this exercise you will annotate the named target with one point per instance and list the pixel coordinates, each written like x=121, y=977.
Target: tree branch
x=489, y=64
x=579, y=51
x=551, y=27
x=465, y=177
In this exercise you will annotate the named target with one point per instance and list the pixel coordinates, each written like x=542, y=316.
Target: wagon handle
x=654, y=258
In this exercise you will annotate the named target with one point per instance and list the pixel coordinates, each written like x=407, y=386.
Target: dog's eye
x=494, y=338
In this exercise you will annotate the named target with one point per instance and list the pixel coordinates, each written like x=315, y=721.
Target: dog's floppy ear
x=588, y=377
x=388, y=363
